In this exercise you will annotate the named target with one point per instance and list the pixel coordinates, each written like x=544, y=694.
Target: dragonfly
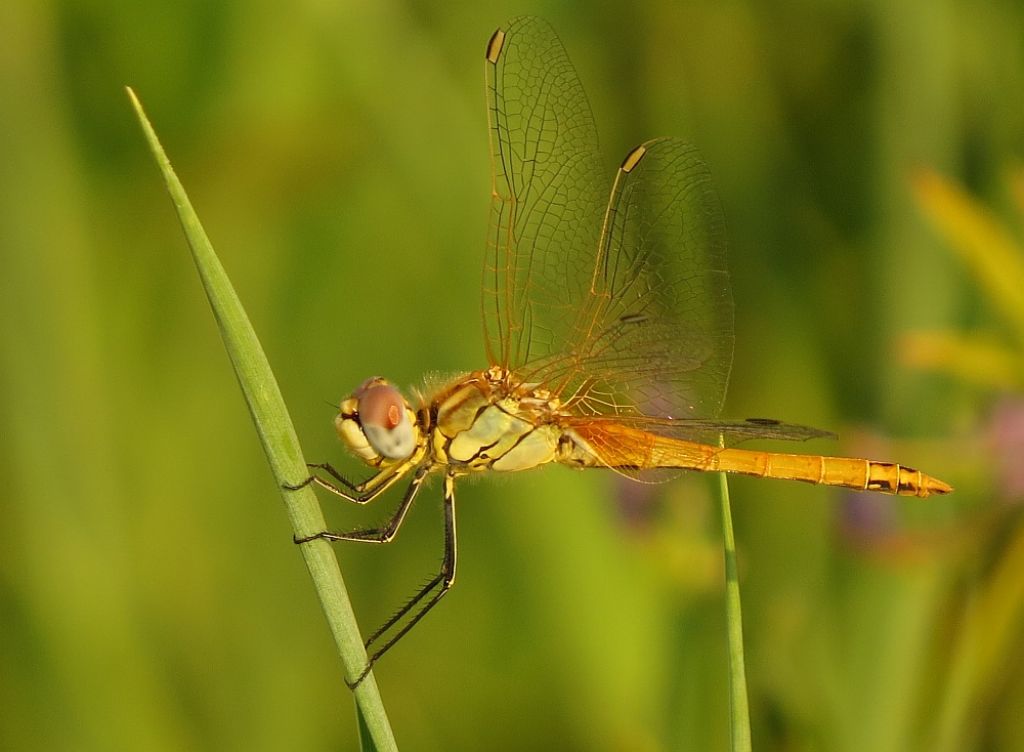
x=608, y=322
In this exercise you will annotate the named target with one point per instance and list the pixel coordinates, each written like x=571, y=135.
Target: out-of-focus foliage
x=996, y=262
x=151, y=597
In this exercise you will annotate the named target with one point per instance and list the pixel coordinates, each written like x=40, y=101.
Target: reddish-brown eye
x=382, y=420
x=382, y=406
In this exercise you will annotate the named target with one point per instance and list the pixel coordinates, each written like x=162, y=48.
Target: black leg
x=358, y=493
x=435, y=588
x=329, y=468
x=378, y=534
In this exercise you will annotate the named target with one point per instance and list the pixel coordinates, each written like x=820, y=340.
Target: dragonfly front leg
x=383, y=534
x=440, y=584
x=357, y=493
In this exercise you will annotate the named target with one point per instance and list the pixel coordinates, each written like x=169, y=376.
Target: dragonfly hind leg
x=435, y=588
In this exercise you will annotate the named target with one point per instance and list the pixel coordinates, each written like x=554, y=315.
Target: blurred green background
x=866, y=153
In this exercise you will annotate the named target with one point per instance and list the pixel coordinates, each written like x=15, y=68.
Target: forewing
x=618, y=301
x=548, y=195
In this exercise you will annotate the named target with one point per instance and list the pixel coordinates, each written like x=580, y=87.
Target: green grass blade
x=739, y=711
x=281, y=446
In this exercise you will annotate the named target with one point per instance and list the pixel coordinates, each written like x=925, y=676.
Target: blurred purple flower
x=866, y=517
x=636, y=503
x=1006, y=442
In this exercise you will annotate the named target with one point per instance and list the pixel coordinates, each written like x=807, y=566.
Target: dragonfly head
x=376, y=423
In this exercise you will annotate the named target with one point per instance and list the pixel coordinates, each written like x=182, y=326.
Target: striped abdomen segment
x=619, y=446
x=864, y=475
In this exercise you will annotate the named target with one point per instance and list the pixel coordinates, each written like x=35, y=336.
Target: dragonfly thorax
x=376, y=423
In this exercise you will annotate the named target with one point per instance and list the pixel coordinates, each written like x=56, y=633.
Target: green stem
x=739, y=710
x=281, y=446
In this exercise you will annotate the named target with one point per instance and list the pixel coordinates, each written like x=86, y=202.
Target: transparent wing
x=617, y=300
x=654, y=333
x=548, y=194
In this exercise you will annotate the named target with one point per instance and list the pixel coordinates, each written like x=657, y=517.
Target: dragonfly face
x=377, y=424
x=608, y=325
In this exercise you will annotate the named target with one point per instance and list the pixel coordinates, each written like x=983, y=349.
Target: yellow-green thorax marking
x=488, y=422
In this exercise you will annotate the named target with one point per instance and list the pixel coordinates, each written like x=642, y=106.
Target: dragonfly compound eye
x=384, y=417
